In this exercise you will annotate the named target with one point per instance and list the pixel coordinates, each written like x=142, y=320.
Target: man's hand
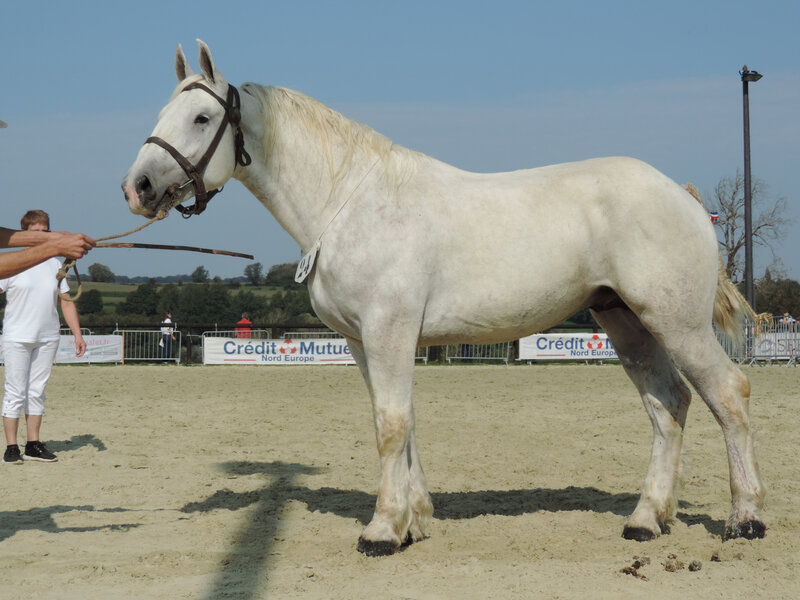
x=71, y=245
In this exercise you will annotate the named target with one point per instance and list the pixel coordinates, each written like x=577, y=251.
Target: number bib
x=306, y=264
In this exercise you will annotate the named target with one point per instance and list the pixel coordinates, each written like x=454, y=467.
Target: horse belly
x=487, y=292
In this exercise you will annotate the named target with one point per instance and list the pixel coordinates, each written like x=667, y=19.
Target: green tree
x=254, y=273
x=245, y=301
x=582, y=317
x=168, y=298
x=283, y=275
x=90, y=302
x=200, y=275
x=205, y=303
x=777, y=296
x=141, y=301
x=101, y=273
x=291, y=304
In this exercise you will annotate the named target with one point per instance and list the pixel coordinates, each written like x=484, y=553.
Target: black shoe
x=37, y=451
x=12, y=455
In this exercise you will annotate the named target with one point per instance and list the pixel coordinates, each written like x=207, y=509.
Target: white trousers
x=28, y=366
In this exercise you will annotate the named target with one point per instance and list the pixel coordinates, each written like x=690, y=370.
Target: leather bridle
x=233, y=116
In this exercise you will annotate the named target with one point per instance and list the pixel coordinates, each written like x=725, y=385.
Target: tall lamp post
x=749, y=293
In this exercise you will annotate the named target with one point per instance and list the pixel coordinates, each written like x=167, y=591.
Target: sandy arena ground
x=255, y=482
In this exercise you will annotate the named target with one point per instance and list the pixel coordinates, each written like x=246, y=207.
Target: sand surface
x=255, y=482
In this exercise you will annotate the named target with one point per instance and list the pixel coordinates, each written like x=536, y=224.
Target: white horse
x=410, y=251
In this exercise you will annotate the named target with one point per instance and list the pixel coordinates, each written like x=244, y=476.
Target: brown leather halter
x=233, y=116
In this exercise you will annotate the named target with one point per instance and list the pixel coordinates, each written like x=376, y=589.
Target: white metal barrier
x=421, y=354
x=255, y=334
x=778, y=341
x=68, y=331
x=477, y=352
x=146, y=345
x=319, y=333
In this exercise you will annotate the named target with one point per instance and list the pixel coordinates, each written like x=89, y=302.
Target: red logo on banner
x=594, y=343
x=288, y=347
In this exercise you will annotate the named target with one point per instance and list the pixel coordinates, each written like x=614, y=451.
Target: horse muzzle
x=143, y=198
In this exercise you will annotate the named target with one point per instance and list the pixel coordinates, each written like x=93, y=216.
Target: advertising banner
x=777, y=345
x=99, y=349
x=566, y=346
x=236, y=351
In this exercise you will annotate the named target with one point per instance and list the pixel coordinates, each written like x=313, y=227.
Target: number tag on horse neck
x=306, y=264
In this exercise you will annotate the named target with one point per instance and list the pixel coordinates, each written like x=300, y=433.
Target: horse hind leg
x=726, y=391
x=666, y=399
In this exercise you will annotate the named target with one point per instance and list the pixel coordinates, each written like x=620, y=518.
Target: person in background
x=167, y=335
x=243, y=327
x=787, y=322
x=30, y=342
x=43, y=245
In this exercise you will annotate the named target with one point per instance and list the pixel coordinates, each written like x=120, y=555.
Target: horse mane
x=334, y=130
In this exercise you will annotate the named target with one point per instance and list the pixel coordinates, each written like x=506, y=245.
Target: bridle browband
x=233, y=116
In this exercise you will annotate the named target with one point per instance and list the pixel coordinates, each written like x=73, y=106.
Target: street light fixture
x=747, y=76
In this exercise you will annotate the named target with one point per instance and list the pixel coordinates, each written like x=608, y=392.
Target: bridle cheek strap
x=233, y=116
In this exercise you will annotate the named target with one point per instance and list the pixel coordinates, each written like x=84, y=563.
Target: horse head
x=192, y=148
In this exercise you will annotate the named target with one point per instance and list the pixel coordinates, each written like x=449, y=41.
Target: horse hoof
x=749, y=530
x=372, y=549
x=638, y=534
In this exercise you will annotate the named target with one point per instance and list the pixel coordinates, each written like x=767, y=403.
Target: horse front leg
x=403, y=506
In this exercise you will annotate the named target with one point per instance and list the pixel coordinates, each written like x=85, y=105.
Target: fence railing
x=477, y=352
x=68, y=331
x=255, y=334
x=778, y=341
x=422, y=353
x=315, y=333
x=149, y=346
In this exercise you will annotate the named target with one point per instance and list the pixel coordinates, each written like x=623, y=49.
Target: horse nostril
x=143, y=185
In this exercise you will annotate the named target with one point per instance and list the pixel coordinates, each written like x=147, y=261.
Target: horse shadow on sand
x=245, y=567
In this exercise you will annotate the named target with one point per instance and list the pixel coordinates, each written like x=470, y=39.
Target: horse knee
x=392, y=431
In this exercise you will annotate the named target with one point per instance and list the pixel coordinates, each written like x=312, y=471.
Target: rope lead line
x=63, y=273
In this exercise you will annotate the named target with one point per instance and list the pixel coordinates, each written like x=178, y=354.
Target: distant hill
x=124, y=279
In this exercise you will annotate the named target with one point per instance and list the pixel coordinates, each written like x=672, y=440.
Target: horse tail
x=731, y=310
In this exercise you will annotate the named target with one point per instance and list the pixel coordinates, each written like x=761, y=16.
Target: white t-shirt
x=31, y=314
x=166, y=329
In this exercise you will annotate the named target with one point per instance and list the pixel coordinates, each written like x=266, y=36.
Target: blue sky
x=486, y=86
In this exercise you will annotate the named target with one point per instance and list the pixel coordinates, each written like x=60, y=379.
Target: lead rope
x=63, y=272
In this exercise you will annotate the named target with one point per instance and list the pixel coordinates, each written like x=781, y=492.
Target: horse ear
x=207, y=64
x=182, y=68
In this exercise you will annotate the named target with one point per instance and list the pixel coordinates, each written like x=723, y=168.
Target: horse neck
x=308, y=160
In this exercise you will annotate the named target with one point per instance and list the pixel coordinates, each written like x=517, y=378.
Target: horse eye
x=201, y=119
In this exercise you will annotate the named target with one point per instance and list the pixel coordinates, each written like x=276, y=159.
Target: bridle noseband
x=233, y=116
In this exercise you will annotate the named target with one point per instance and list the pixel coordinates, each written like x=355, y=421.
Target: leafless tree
x=769, y=222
